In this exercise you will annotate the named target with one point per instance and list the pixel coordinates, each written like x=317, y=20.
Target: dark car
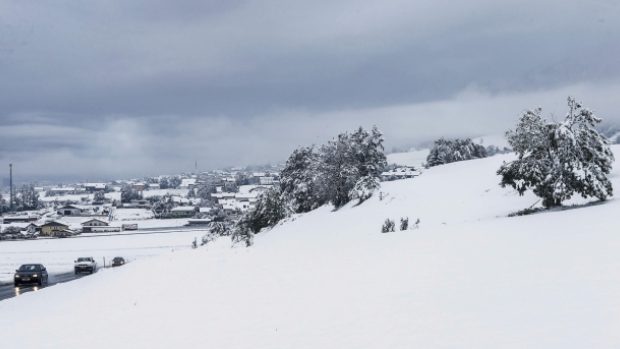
x=118, y=261
x=30, y=274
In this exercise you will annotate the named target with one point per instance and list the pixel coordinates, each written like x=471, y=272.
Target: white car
x=85, y=265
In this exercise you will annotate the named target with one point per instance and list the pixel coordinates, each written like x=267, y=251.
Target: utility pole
x=11, y=187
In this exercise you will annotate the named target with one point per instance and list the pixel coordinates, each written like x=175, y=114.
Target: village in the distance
x=60, y=211
x=31, y=211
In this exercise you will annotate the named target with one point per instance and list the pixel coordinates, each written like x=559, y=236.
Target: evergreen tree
x=163, y=183
x=447, y=151
x=128, y=193
x=99, y=197
x=162, y=206
x=28, y=198
x=365, y=187
x=269, y=210
x=339, y=171
x=174, y=182
x=557, y=160
x=300, y=181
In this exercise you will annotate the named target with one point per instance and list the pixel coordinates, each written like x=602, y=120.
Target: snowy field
x=468, y=277
x=414, y=158
x=58, y=254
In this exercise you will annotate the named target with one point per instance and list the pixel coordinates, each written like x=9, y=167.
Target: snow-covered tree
x=27, y=198
x=4, y=207
x=339, y=169
x=300, y=181
x=174, y=182
x=162, y=205
x=269, y=210
x=446, y=151
x=128, y=193
x=368, y=153
x=99, y=197
x=220, y=228
x=345, y=168
x=365, y=187
x=557, y=160
x=163, y=183
x=242, y=234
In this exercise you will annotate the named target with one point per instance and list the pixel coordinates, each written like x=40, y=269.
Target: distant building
x=400, y=173
x=91, y=225
x=139, y=203
x=19, y=219
x=54, y=229
x=70, y=210
x=93, y=187
x=33, y=229
x=188, y=183
x=58, y=191
x=182, y=212
x=266, y=180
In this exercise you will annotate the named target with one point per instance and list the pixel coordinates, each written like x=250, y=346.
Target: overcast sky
x=115, y=88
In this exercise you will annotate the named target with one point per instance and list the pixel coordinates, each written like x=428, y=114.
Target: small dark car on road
x=118, y=261
x=30, y=274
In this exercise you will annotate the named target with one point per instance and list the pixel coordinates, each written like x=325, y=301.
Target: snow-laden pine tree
x=162, y=205
x=365, y=187
x=557, y=160
x=28, y=198
x=368, y=152
x=339, y=170
x=300, y=181
x=446, y=151
x=128, y=193
x=369, y=157
x=268, y=211
x=99, y=197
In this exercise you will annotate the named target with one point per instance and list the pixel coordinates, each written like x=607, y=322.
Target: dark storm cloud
x=147, y=86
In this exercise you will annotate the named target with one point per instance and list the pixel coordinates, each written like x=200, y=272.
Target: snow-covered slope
x=468, y=277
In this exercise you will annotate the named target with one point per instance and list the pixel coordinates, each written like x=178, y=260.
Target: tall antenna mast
x=11, y=186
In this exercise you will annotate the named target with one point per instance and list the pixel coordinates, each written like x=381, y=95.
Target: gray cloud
x=148, y=86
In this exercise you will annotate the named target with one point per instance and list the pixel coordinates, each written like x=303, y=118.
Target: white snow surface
x=415, y=158
x=468, y=277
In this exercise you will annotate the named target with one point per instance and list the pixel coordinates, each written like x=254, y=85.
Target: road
x=8, y=291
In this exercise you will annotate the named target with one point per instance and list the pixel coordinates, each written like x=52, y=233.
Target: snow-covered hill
x=468, y=277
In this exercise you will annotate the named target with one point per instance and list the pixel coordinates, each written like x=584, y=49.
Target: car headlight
x=16, y=276
x=34, y=275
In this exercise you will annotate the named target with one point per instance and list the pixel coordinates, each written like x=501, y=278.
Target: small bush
x=404, y=223
x=388, y=226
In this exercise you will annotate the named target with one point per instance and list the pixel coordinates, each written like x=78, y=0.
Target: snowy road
x=8, y=291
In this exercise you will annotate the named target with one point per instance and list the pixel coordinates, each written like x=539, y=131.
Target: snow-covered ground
x=415, y=158
x=468, y=277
